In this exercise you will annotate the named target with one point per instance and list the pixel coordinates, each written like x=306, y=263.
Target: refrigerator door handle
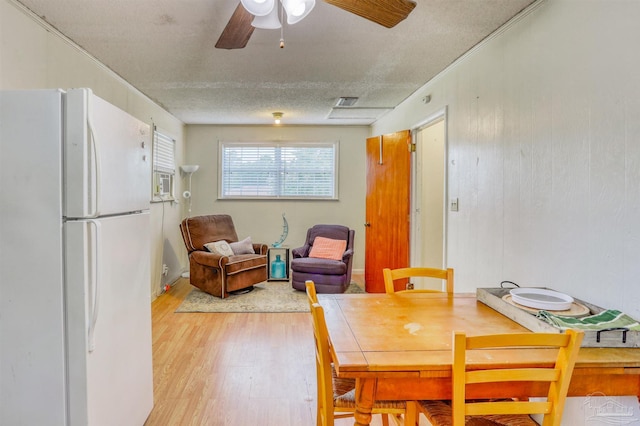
x=94, y=284
x=96, y=160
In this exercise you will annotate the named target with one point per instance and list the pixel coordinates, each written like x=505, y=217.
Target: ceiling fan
x=238, y=30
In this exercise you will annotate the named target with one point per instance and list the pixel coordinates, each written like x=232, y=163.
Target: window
x=292, y=170
x=164, y=168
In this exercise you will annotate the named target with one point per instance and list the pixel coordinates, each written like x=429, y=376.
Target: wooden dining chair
x=507, y=411
x=391, y=275
x=337, y=396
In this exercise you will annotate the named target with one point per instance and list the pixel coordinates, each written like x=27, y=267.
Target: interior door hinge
x=412, y=147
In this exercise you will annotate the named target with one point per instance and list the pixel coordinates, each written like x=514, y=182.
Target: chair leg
x=411, y=416
x=385, y=419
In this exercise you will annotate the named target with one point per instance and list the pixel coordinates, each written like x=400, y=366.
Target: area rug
x=275, y=296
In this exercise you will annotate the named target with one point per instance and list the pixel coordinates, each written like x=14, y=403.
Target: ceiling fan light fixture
x=277, y=117
x=267, y=22
x=258, y=7
x=297, y=10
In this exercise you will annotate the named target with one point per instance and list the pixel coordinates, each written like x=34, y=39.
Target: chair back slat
x=550, y=340
x=512, y=375
x=513, y=407
x=391, y=275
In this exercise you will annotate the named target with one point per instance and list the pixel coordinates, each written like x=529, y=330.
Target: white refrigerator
x=75, y=308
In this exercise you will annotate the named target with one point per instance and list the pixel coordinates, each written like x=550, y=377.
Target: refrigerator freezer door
x=107, y=158
x=109, y=320
x=32, y=366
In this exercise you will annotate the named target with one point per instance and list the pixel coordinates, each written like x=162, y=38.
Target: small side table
x=277, y=260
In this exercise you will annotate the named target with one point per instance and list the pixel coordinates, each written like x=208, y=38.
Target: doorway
x=429, y=197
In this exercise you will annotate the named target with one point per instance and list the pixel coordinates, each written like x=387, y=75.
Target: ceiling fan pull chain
x=282, y=27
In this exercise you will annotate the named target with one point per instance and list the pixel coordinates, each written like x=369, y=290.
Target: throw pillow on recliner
x=243, y=247
x=327, y=248
x=220, y=247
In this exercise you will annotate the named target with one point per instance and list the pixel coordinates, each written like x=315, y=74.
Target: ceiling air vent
x=346, y=101
x=358, y=113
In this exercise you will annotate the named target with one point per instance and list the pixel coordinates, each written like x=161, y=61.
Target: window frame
x=335, y=145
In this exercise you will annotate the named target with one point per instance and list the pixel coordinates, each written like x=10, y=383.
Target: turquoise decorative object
x=277, y=268
x=285, y=232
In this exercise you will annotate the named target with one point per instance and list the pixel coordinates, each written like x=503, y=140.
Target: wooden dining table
x=398, y=347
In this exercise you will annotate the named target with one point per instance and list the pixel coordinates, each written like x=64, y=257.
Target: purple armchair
x=329, y=276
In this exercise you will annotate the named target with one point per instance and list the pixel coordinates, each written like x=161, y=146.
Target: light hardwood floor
x=232, y=369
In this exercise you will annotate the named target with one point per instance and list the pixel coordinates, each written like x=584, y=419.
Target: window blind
x=278, y=170
x=163, y=153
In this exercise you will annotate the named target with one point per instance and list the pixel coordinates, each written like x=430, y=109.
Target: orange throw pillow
x=326, y=248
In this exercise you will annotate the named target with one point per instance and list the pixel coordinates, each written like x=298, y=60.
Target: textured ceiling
x=165, y=48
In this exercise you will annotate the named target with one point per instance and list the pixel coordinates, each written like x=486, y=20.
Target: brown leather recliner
x=213, y=273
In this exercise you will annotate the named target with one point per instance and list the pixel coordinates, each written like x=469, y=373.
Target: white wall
x=262, y=220
x=544, y=152
x=35, y=56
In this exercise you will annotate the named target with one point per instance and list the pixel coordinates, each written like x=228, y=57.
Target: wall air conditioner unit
x=163, y=184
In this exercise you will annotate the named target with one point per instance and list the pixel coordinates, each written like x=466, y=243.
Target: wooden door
x=388, y=206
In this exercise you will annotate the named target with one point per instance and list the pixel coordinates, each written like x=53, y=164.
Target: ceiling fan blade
x=238, y=30
x=387, y=13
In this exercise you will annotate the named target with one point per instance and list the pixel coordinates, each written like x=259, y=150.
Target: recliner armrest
x=205, y=258
x=260, y=248
x=347, y=255
x=301, y=251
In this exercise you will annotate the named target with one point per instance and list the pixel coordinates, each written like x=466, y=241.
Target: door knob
x=367, y=224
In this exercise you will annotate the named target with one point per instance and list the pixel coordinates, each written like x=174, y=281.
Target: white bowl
x=541, y=298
